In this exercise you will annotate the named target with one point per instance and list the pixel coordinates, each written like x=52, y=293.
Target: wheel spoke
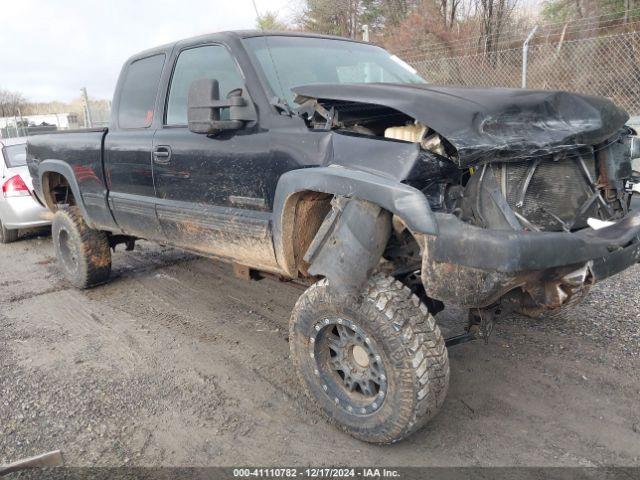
x=366, y=387
x=349, y=383
x=374, y=376
x=336, y=363
x=335, y=343
x=344, y=332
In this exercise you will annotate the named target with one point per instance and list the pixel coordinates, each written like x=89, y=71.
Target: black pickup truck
x=333, y=163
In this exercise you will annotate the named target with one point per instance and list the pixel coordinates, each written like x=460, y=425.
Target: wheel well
x=404, y=256
x=302, y=217
x=304, y=213
x=57, y=191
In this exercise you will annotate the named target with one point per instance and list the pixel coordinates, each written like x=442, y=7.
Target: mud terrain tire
x=83, y=254
x=6, y=235
x=407, y=359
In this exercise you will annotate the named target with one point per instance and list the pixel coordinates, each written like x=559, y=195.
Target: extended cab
x=333, y=162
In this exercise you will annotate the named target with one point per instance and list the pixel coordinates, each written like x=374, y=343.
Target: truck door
x=128, y=163
x=212, y=190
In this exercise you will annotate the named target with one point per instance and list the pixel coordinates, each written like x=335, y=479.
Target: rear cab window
x=15, y=155
x=139, y=91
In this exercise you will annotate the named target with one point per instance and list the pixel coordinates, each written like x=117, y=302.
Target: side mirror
x=205, y=109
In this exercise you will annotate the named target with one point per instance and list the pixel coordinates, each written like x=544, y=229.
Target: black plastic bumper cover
x=612, y=249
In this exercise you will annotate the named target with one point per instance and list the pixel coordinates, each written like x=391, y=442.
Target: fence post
x=525, y=51
x=365, y=34
x=87, y=107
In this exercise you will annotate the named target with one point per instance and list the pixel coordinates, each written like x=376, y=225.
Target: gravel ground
x=177, y=362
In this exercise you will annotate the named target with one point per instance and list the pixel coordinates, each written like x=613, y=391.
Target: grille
x=549, y=193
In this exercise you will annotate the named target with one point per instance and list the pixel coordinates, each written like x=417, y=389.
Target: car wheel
x=376, y=365
x=83, y=254
x=6, y=235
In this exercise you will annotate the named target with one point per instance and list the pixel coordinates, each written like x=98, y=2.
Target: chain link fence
x=604, y=65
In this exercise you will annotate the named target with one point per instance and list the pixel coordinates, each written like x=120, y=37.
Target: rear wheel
x=377, y=365
x=6, y=235
x=83, y=253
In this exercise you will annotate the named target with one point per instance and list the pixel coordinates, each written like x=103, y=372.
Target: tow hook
x=480, y=327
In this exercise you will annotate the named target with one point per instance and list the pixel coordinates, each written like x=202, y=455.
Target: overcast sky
x=49, y=49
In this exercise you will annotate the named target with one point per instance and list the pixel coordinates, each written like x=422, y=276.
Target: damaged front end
x=547, y=228
x=530, y=191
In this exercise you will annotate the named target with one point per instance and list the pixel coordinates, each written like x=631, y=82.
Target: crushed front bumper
x=475, y=267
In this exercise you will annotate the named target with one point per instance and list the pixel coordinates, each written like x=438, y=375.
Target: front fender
x=407, y=202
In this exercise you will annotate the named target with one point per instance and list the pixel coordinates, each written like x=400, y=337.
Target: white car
x=19, y=208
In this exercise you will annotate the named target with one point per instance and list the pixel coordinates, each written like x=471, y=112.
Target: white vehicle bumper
x=23, y=212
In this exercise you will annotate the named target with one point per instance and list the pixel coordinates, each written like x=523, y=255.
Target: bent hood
x=487, y=124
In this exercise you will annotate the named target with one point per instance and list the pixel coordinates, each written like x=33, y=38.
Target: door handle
x=161, y=155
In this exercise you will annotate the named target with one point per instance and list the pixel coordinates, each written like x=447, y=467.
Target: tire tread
x=423, y=343
x=94, y=248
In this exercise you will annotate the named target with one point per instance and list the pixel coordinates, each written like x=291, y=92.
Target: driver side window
x=210, y=61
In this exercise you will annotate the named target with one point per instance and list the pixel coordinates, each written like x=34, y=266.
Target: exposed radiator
x=550, y=194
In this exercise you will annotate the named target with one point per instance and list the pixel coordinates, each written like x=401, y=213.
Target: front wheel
x=376, y=365
x=83, y=254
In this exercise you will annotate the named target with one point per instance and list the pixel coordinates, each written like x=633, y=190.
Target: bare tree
x=494, y=16
x=393, y=12
x=336, y=17
x=11, y=102
x=629, y=6
x=449, y=12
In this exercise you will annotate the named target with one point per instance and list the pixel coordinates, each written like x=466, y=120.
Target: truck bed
x=80, y=151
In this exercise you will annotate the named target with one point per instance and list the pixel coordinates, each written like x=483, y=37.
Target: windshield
x=295, y=61
x=16, y=155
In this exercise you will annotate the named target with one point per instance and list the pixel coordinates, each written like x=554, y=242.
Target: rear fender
x=64, y=169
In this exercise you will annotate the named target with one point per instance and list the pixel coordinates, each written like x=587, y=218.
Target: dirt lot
x=177, y=362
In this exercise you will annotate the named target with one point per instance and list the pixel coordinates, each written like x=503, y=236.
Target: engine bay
x=553, y=190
